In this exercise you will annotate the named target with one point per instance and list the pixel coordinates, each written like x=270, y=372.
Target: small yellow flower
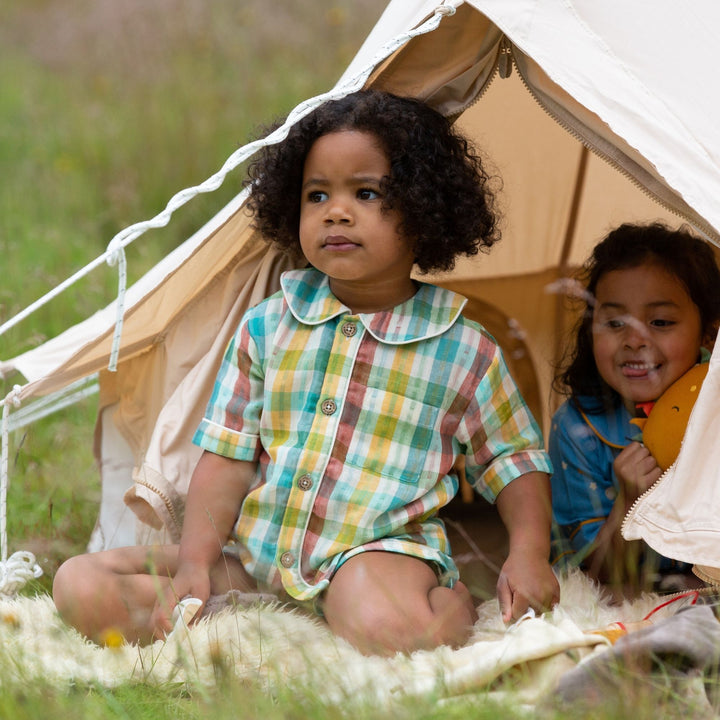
x=11, y=619
x=112, y=638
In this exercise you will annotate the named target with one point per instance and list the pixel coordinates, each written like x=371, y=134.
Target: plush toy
x=664, y=427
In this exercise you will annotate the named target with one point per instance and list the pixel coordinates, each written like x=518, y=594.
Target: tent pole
x=563, y=266
x=574, y=208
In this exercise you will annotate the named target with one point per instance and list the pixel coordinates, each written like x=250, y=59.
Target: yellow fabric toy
x=667, y=417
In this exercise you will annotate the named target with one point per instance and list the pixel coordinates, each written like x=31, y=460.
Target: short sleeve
x=505, y=440
x=232, y=419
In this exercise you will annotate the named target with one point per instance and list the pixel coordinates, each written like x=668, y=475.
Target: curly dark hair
x=437, y=182
x=690, y=259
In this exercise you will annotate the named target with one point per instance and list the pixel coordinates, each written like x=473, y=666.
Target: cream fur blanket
x=277, y=646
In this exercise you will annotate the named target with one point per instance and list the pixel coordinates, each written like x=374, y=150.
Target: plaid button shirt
x=356, y=422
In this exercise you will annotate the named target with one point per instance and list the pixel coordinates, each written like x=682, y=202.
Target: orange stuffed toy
x=667, y=417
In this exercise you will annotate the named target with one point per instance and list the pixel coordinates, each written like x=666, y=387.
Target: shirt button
x=348, y=329
x=287, y=559
x=305, y=482
x=328, y=407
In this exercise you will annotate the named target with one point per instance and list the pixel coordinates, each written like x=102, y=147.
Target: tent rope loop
x=116, y=256
x=17, y=571
x=445, y=10
x=21, y=567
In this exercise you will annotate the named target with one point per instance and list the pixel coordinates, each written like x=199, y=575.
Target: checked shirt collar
x=428, y=313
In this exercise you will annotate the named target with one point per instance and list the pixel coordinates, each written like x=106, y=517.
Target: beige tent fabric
x=678, y=516
x=163, y=471
x=450, y=69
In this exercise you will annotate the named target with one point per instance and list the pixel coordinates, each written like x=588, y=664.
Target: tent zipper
x=504, y=64
x=630, y=515
x=636, y=502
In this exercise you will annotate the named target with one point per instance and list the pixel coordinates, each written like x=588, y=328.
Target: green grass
x=227, y=700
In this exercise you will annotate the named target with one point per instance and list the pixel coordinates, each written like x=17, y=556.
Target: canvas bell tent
x=592, y=114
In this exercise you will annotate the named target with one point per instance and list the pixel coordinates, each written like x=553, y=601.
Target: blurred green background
x=107, y=109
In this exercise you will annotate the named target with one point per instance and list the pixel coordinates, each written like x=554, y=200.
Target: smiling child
x=653, y=305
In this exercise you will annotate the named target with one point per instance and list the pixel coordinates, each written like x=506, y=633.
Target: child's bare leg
x=385, y=602
x=119, y=588
x=115, y=588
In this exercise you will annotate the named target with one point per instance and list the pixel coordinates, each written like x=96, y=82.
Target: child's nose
x=635, y=335
x=338, y=211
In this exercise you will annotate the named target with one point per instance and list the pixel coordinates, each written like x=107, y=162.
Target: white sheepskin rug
x=277, y=646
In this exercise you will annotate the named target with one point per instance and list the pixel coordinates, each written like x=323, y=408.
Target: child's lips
x=339, y=242
x=638, y=369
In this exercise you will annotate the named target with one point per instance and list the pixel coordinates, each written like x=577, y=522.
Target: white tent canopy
x=592, y=113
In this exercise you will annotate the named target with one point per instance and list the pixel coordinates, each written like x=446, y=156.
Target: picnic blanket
x=278, y=646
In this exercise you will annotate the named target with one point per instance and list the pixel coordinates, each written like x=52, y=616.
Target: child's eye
x=317, y=196
x=368, y=194
x=662, y=323
x=615, y=323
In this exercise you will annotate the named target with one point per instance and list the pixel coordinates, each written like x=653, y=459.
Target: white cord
x=52, y=403
x=17, y=571
x=11, y=399
x=118, y=257
x=21, y=567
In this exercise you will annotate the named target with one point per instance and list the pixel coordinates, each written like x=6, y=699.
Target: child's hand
x=526, y=579
x=189, y=581
x=636, y=470
x=526, y=582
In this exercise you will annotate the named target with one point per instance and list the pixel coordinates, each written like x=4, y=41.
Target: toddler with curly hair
x=344, y=402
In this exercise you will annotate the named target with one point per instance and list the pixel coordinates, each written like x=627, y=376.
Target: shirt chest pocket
x=396, y=437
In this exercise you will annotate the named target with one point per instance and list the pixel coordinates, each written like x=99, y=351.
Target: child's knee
x=70, y=584
x=375, y=628
x=454, y=614
x=419, y=623
x=396, y=611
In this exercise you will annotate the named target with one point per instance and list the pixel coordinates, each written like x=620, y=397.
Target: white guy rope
x=21, y=567
x=11, y=399
x=50, y=404
x=132, y=232
x=119, y=258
